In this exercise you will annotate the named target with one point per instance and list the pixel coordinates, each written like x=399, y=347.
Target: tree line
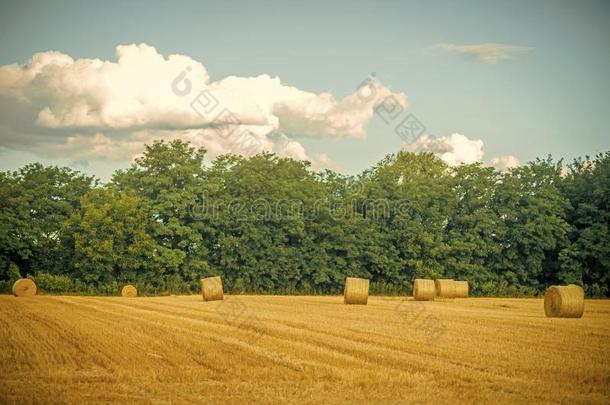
x=272, y=225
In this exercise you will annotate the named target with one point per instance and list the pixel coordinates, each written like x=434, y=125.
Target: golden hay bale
x=24, y=288
x=356, y=291
x=445, y=288
x=424, y=289
x=211, y=288
x=461, y=289
x=564, y=301
x=129, y=291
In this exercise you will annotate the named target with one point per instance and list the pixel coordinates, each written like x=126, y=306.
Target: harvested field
x=264, y=349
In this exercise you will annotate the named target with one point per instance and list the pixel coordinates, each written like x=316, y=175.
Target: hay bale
x=423, y=289
x=564, y=301
x=211, y=288
x=129, y=291
x=445, y=288
x=24, y=288
x=356, y=291
x=461, y=289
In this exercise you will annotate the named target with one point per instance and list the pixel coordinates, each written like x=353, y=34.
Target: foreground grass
x=267, y=349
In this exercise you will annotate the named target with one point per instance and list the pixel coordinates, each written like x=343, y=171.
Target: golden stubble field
x=271, y=349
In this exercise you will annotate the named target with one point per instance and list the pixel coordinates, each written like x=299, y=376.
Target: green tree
x=474, y=232
x=587, y=258
x=409, y=198
x=169, y=180
x=257, y=216
x=535, y=229
x=34, y=201
x=109, y=239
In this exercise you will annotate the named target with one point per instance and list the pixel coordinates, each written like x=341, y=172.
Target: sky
x=87, y=84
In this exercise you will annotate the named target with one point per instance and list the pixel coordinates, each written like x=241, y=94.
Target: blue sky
x=550, y=99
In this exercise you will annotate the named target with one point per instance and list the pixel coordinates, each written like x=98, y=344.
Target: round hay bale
x=445, y=288
x=564, y=301
x=356, y=291
x=461, y=289
x=423, y=289
x=129, y=291
x=24, y=288
x=211, y=288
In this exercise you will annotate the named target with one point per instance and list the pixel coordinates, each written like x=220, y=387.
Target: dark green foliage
x=34, y=203
x=586, y=259
x=534, y=227
x=169, y=179
x=271, y=225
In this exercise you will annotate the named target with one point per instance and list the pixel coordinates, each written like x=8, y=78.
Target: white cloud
x=504, y=163
x=490, y=53
x=454, y=149
x=457, y=149
x=89, y=108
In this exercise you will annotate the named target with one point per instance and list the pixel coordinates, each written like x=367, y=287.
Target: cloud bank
x=490, y=53
x=55, y=105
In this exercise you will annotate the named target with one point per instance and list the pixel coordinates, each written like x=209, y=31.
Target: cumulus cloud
x=504, y=162
x=98, y=109
x=457, y=149
x=454, y=149
x=490, y=53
